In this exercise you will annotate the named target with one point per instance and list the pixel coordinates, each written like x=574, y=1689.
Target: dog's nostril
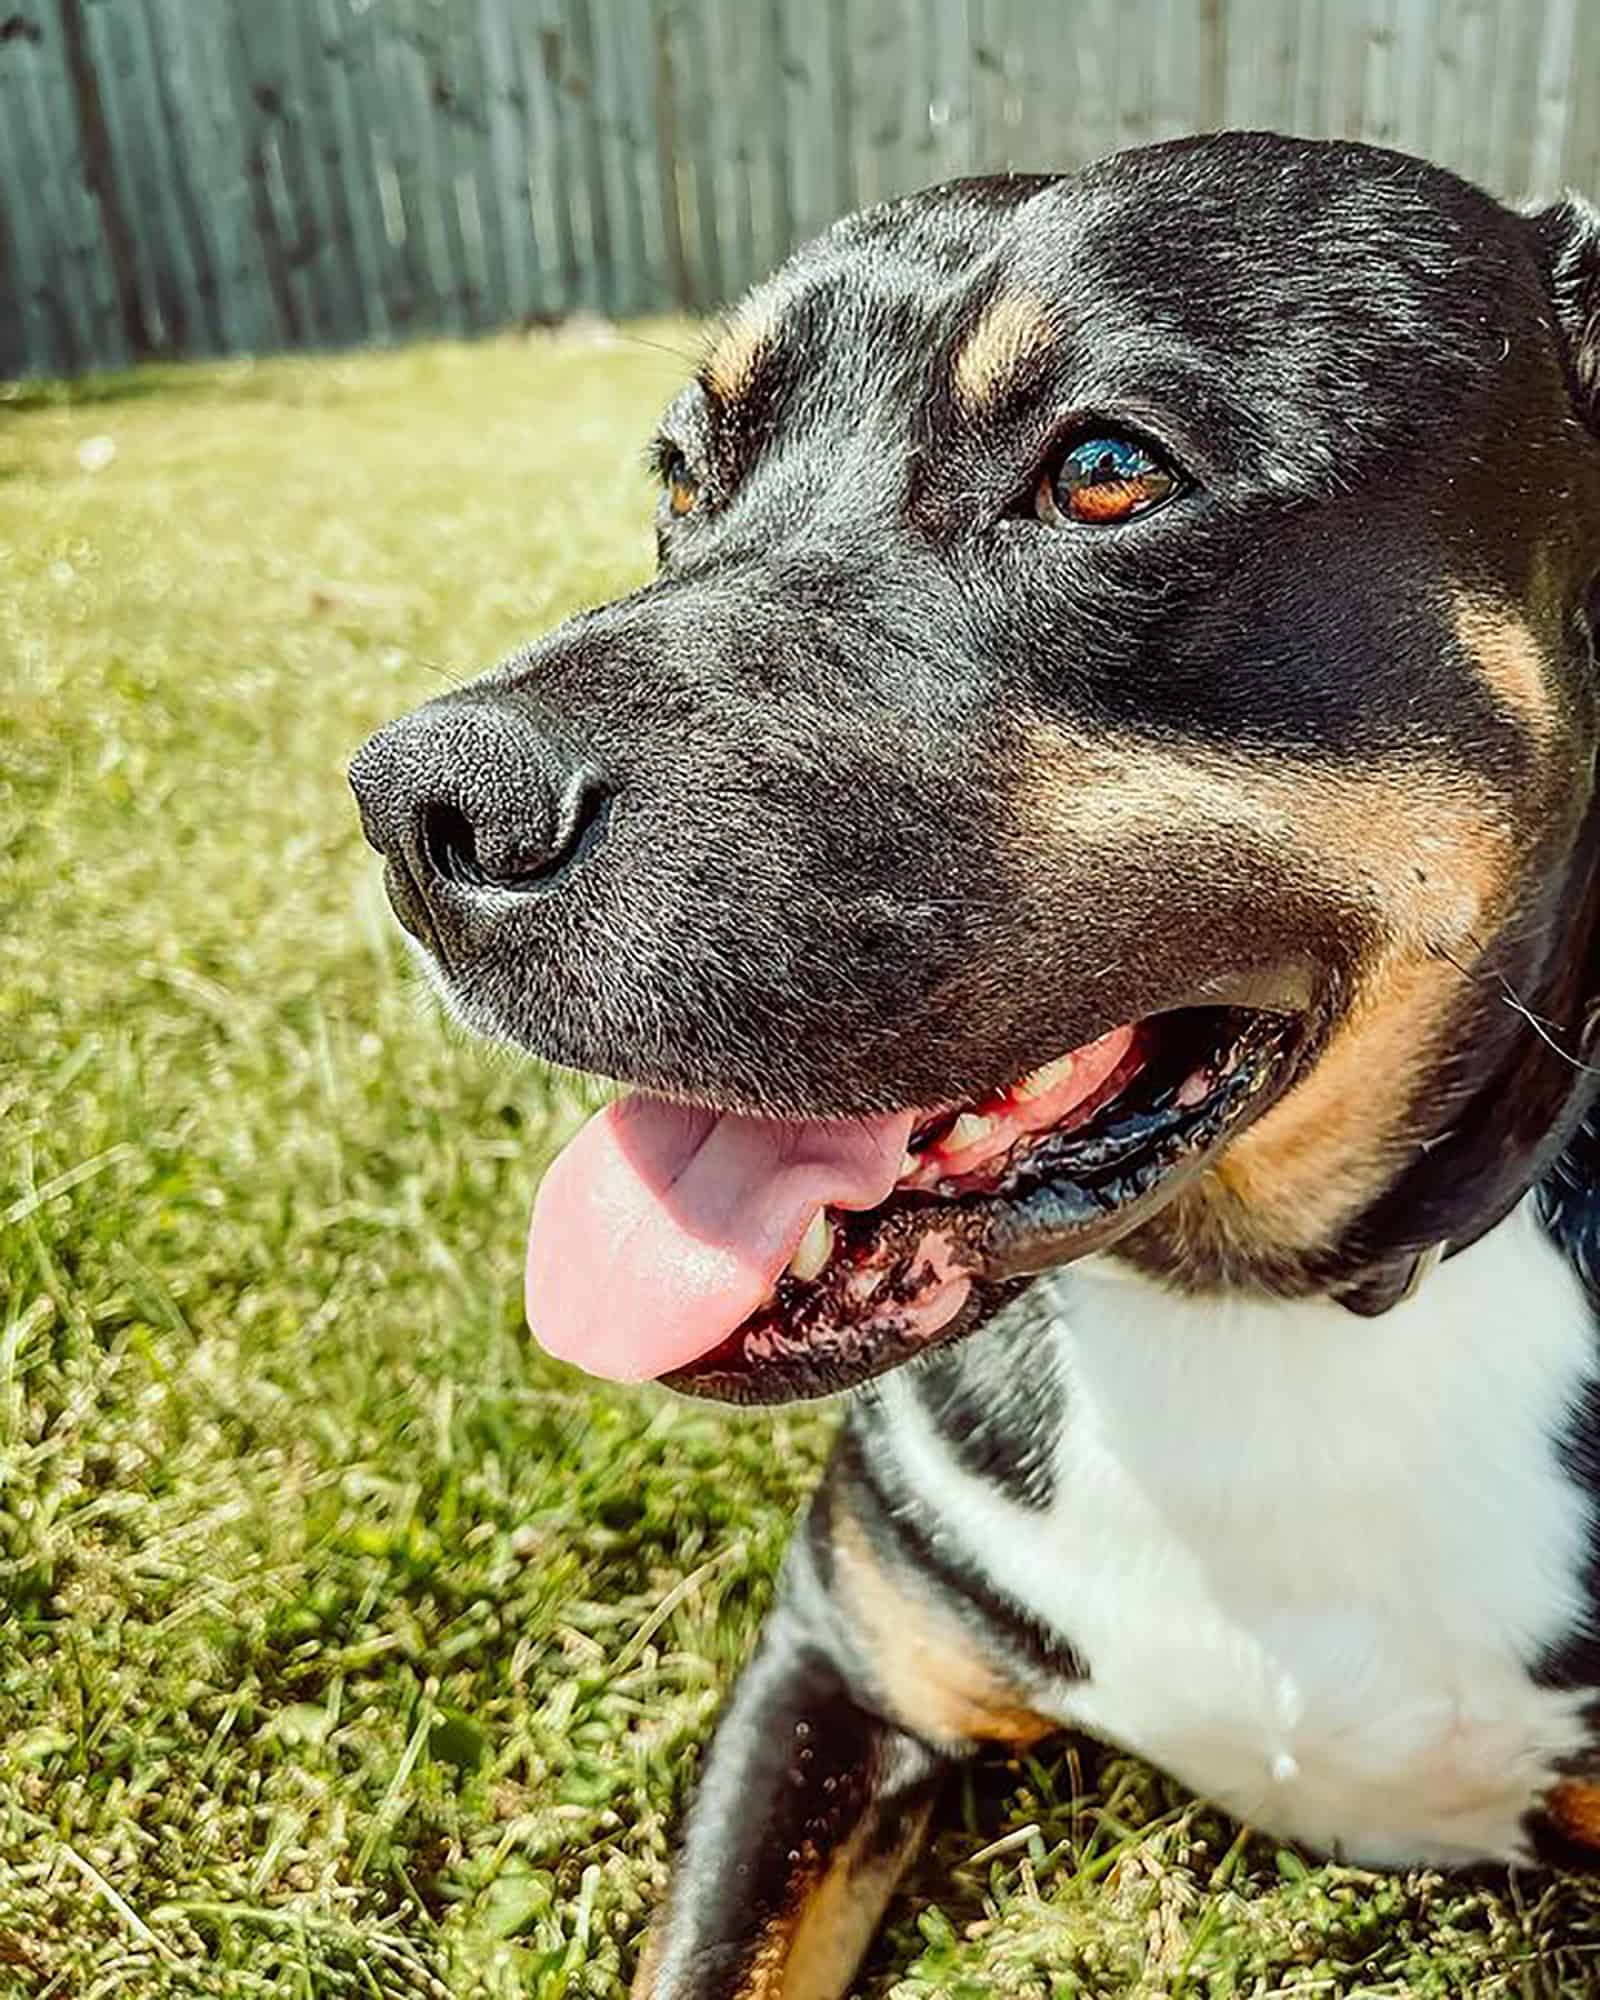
x=493, y=855
x=451, y=845
x=585, y=809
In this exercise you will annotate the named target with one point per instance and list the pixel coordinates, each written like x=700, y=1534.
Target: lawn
x=348, y=1646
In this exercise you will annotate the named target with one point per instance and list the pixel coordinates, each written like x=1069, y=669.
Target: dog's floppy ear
x=1567, y=236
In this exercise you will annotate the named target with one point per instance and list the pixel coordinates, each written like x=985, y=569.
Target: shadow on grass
x=119, y=386
x=295, y=376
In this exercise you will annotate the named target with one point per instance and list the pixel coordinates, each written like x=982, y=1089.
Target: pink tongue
x=661, y=1228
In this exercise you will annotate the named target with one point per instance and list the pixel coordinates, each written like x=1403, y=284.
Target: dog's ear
x=1567, y=240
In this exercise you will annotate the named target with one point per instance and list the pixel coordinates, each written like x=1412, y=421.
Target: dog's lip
x=1265, y=995
x=980, y=1248
x=1291, y=990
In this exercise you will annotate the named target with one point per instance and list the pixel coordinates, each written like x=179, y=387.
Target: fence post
x=667, y=158
x=98, y=167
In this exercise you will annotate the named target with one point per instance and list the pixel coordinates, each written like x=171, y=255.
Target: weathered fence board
x=223, y=176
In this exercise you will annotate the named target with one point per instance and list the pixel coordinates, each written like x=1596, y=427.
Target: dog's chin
x=997, y=1195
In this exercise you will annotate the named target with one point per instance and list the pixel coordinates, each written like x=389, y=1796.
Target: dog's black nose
x=469, y=798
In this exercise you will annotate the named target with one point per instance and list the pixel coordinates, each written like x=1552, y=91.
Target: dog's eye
x=1103, y=480
x=678, y=483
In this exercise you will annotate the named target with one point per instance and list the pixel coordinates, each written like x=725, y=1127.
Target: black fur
x=908, y=1543
x=1000, y=1413
x=1569, y=1207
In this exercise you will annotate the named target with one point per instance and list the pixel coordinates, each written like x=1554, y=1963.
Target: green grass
x=347, y=1646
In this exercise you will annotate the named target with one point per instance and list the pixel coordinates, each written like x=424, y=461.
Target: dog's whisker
x=659, y=346
x=446, y=674
x=1540, y=1025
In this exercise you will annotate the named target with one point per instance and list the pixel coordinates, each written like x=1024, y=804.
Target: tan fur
x=933, y=1679
x=1410, y=857
x=1511, y=661
x=838, y=1918
x=1574, y=1809
x=1412, y=846
x=1315, y=1159
x=730, y=367
x=1015, y=328
x=810, y=1950
x=649, y=1966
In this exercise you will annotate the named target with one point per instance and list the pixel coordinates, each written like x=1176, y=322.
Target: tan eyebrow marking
x=1014, y=329
x=730, y=367
x=1510, y=659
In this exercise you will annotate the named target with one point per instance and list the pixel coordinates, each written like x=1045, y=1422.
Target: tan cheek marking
x=1415, y=858
x=1574, y=1809
x=1015, y=328
x=932, y=1678
x=1416, y=850
x=1319, y=1156
x=1510, y=660
x=731, y=365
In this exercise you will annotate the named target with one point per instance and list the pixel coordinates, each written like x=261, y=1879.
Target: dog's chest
x=1308, y=1557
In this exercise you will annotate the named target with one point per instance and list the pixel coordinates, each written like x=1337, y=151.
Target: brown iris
x=679, y=486
x=1103, y=480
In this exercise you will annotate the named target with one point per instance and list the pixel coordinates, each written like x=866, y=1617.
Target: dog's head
x=1115, y=718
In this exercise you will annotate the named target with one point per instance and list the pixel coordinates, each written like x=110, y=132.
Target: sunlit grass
x=346, y=1645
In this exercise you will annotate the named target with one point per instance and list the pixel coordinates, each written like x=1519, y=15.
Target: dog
x=1086, y=854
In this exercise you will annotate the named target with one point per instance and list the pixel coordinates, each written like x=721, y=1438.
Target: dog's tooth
x=910, y=1165
x=970, y=1129
x=816, y=1247
x=1039, y=1081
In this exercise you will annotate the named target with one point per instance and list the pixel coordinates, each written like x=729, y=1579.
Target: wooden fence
x=208, y=176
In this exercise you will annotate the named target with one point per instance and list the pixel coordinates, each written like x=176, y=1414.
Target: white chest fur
x=1307, y=1556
